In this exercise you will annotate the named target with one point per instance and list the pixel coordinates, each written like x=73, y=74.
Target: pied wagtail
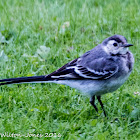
x=101, y=70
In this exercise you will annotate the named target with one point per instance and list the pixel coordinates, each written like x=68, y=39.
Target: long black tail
x=23, y=80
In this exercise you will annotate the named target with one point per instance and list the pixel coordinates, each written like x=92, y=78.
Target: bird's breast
x=126, y=63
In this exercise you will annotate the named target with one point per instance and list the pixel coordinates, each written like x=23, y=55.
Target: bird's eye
x=115, y=44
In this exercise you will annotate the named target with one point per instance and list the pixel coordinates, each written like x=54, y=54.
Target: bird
x=101, y=70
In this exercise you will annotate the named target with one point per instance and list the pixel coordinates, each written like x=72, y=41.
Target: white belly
x=95, y=87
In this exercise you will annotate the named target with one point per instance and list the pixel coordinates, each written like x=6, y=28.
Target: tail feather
x=23, y=80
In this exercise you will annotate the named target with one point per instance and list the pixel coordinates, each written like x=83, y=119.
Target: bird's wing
x=101, y=68
x=65, y=72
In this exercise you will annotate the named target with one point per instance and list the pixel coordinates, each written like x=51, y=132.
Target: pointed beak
x=127, y=45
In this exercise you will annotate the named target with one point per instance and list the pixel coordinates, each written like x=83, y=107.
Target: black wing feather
x=97, y=69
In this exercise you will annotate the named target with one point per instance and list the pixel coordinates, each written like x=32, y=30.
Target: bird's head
x=116, y=45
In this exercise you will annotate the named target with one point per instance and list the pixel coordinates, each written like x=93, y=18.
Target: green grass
x=51, y=108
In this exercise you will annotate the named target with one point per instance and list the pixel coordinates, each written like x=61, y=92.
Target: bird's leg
x=92, y=101
x=99, y=99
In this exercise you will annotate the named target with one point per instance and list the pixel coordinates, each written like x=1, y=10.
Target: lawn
x=39, y=36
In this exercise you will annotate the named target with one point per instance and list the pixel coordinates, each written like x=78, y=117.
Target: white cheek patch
x=110, y=49
x=110, y=43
